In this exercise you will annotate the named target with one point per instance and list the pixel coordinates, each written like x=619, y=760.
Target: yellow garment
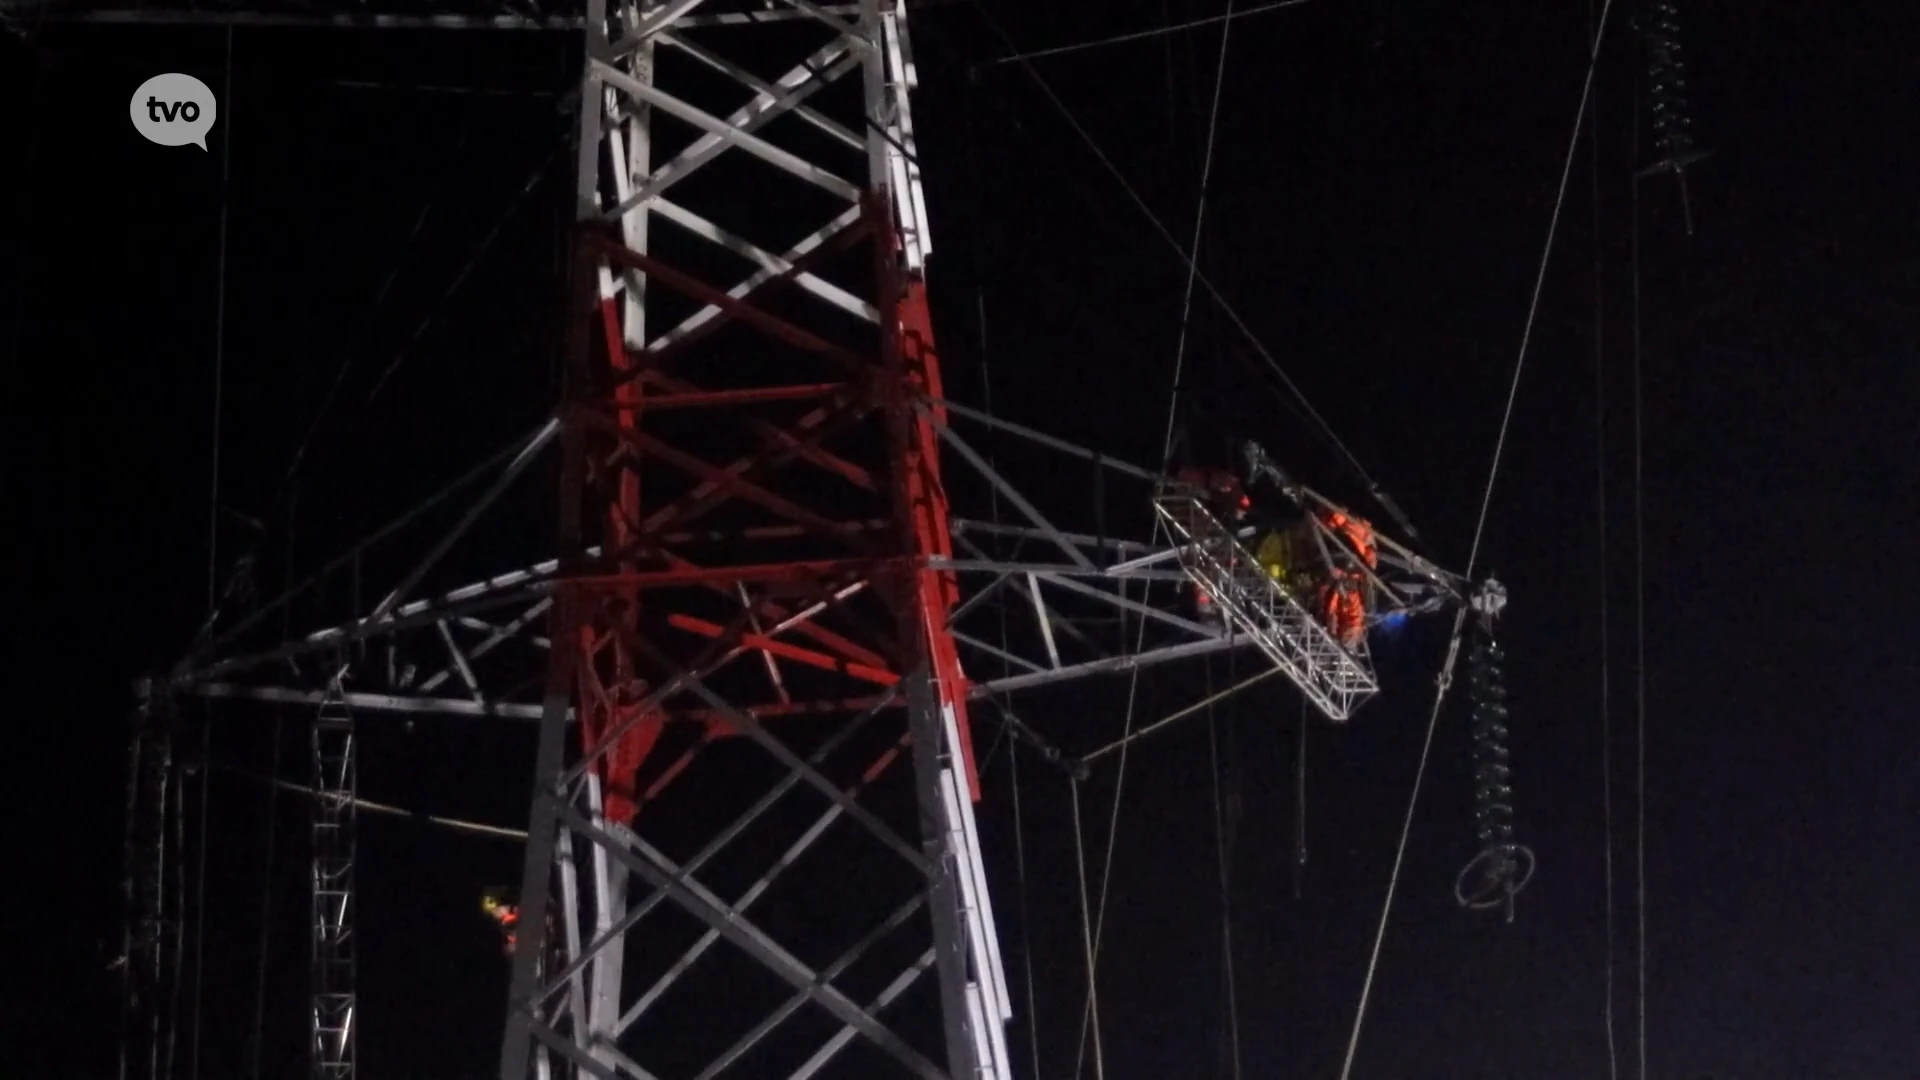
x=1275, y=555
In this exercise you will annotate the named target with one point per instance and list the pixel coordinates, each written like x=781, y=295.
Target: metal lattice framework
x=150, y=951
x=336, y=788
x=752, y=832
x=1335, y=679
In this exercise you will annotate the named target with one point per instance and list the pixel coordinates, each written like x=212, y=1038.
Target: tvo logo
x=174, y=110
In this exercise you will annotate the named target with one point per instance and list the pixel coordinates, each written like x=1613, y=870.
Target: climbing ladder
x=1335, y=679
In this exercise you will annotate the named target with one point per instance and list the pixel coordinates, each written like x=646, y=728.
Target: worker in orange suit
x=1343, y=607
x=1356, y=531
x=1342, y=594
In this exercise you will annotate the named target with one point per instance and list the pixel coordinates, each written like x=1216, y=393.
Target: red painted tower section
x=640, y=604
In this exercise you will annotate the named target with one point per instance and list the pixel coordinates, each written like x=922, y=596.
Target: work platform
x=1337, y=680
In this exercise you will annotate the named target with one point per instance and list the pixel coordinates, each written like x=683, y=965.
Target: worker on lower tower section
x=498, y=904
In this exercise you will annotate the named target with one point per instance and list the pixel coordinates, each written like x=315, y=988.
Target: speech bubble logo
x=174, y=110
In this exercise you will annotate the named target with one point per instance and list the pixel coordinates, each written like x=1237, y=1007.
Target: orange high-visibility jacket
x=1344, y=610
x=1356, y=531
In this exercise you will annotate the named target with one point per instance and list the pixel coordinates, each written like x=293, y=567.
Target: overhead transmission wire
x=1225, y=823
x=1065, y=298
x=1600, y=528
x=374, y=306
x=213, y=549
x=22, y=240
x=405, y=352
x=977, y=188
x=1164, y=30
x=1300, y=803
x=1222, y=848
x=1090, y=1016
x=1026, y=925
x=176, y=796
x=462, y=825
x=257, y=1034
x=195, y=1000
x=1445, y=678
x=1088, y=944
x=1323, y=428
x=1177, y=715
x=1639, y=633
x=219, y=338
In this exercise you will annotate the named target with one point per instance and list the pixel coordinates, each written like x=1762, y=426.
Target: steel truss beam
x=464, y=651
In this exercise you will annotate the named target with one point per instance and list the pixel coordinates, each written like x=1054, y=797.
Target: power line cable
x=1323, y=428
x=978, y=189
x=1086, y=939
x=1400, y=852
x=176, y=925
x=1221, y=847
x=1173, y=111
x=257, y=1036
x=23, y=237
x=200, y=902
x=1479, y=531
x=1199, y=230
x=213, y=547
x=473, y=262
x=1026, y=924
x=1090, y=1017
x=220, y=336
x=1600, y=529
x=1639, y=631
x=1164, y=30
x=1539, y=284
x=1086, y=326
x=1300, y=804
x=477, y=828
x=449, y=182
x=1125, y=741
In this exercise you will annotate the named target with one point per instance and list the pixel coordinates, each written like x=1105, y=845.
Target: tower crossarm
x=1039, y=603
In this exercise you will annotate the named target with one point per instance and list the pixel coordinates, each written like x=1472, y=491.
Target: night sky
x=1382, y=184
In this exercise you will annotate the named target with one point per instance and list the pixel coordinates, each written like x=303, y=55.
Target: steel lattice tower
x=842, y=504
x=751, y=838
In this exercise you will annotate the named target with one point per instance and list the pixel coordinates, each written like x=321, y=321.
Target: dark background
x=1382, y=184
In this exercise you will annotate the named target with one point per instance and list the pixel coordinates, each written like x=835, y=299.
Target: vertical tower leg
x=150, y=919
x=750, y=503
x=335, y=785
